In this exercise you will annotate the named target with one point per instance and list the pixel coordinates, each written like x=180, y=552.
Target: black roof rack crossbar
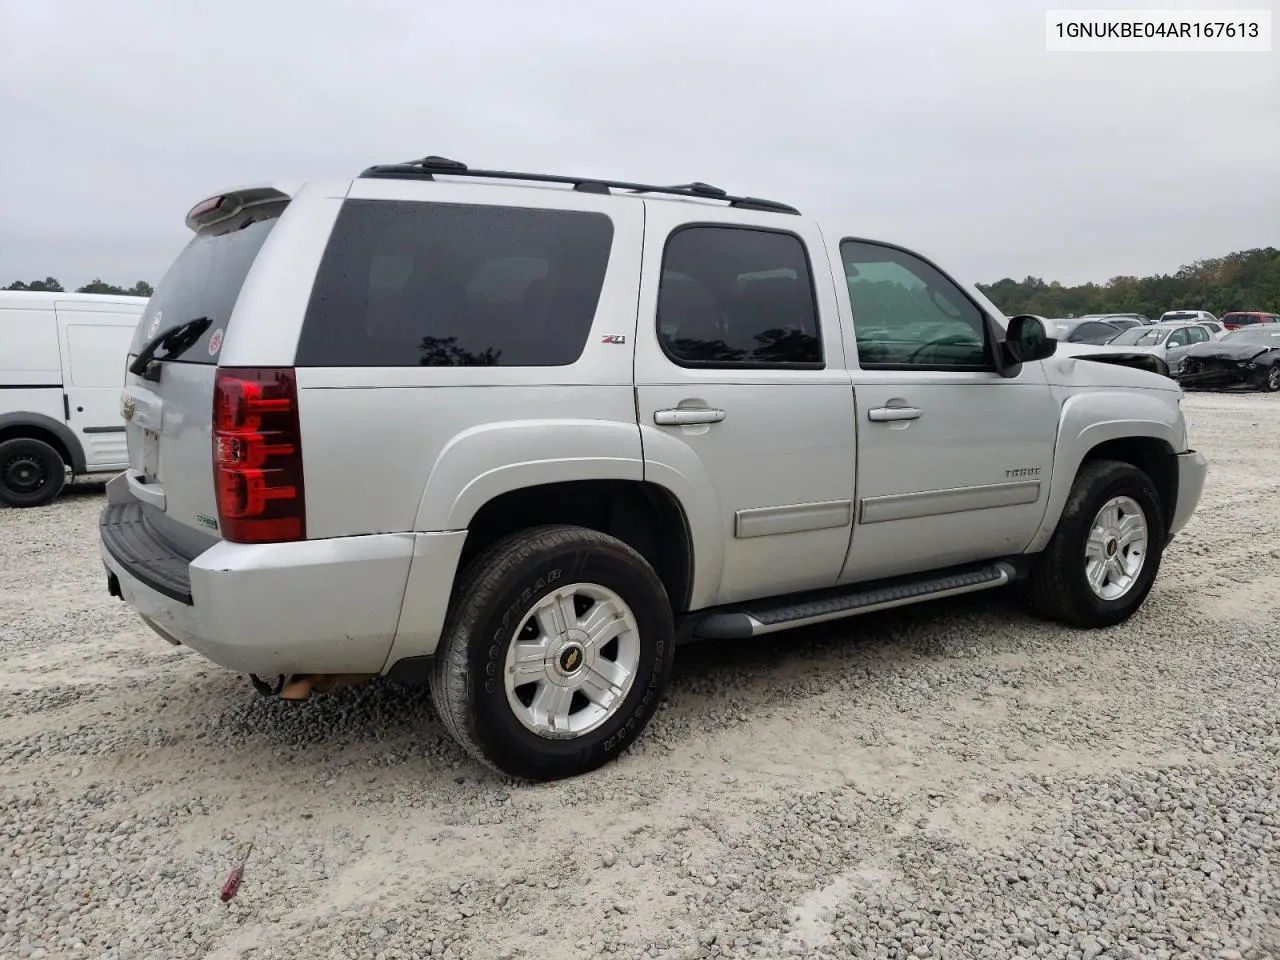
x=425, y=168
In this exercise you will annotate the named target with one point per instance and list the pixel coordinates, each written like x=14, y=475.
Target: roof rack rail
x=427, y=167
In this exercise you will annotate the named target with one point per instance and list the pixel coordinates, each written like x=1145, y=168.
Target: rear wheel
x=556, y=653
x=31, y=472
x=1105, y=553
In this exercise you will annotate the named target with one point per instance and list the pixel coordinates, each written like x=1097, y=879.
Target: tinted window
x=205, y=281
x=455, y=285
x=1093, y=332
x=906, y=312
x=732, y=296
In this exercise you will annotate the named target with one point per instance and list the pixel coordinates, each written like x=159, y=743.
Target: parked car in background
x=1185, y=316
x=1168, y=341
x=62, y=360
x=1082, y=330
x=1238, y=319
x=1124, y=320
x=1216, y=329
x=1249, y=357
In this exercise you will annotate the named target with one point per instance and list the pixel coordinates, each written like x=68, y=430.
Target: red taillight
x=257, y=455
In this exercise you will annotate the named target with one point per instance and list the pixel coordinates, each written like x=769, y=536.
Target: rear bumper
x=314, y=606
x=1192, y=469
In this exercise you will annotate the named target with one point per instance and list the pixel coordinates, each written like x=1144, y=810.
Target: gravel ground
x=958, y=780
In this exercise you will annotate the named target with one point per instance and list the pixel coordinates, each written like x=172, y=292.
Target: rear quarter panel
x=391, y=449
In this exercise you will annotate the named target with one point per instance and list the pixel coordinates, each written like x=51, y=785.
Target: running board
x=761, y=617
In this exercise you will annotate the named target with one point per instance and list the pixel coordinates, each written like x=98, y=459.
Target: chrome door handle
x=881, y=414
x=684, y=416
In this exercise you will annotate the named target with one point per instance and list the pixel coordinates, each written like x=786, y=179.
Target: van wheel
x=31, y=472
x=1104, y=556
x=555, y=654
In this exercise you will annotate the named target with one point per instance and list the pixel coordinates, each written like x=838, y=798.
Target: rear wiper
x=175, y=341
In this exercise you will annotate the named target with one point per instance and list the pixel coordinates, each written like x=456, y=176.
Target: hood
x=1140, y=358
x=1220, y=350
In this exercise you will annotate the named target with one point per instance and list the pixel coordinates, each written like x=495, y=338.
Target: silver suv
x=516, y=435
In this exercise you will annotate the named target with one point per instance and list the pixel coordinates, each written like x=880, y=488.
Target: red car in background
x=1237, y=319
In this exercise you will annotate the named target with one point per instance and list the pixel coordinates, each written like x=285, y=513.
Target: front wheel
x=1271, y=382
x=1103, y=558
x=31, y=472
x=556, y=653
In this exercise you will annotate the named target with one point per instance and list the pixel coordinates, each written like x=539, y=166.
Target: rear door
x=169, y=408
x=744, y=403
x=95, y=344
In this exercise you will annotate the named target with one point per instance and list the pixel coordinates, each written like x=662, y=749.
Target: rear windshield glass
x=460, y=285
x=204, y=281
x=1240, y=319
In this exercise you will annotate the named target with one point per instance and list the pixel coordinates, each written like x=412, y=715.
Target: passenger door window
x=906, y=313
x=734, y=297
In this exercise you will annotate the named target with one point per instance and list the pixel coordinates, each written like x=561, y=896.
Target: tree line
x=1247, y=280
x=97, y=285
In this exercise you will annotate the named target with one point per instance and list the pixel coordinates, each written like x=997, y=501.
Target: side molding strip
x=791, y=518
x=931, y=503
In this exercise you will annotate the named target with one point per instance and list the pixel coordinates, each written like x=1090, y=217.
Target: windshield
x=1140, y=337
x=1262, y=335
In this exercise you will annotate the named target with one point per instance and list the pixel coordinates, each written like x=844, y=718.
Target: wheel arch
x=1149, y=439
x=646, y=516
x=37, y=426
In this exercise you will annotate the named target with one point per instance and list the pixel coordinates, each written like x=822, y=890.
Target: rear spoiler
x=223, y=207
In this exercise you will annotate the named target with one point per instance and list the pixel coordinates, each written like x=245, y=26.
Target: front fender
x=489, y=460
x=1088, y=420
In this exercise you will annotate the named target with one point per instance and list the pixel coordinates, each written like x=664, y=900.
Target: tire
x=495, y=604
x=1271, y=382
x=32, y=473
x=1059, y=586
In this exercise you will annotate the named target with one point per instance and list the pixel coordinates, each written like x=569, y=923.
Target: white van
x=62, y=366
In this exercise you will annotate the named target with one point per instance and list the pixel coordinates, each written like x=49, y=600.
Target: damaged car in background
x=1243, y=358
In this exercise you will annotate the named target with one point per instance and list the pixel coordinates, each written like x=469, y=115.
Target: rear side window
x=407, y=284
x=734, y=297
x=205, y=281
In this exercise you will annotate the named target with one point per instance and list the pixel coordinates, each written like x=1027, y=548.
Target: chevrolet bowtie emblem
x=127, y=407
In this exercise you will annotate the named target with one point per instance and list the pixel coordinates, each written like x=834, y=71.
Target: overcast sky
x=943, y=125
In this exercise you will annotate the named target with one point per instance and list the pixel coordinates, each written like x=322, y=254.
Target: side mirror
x=1028, y=340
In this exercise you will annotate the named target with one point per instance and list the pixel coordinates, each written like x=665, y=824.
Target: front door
x=743, y=397
x=954, y=460
x=95, y=348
